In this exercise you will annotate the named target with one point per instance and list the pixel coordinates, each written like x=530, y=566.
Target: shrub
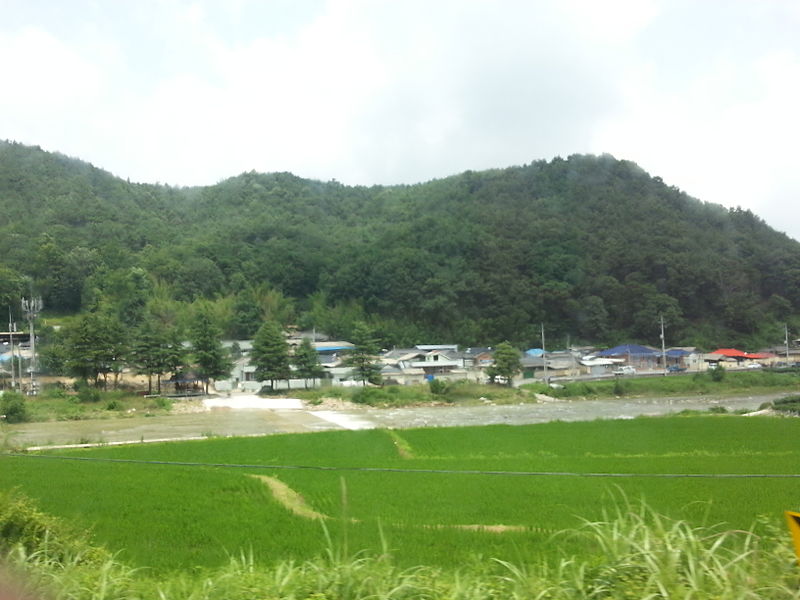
x=718, y=374
x=22, y=524
x=366, y=395
x=13, y=408
x=87, y=394
x=789, y=405
x=161, y=403
x=438, y=387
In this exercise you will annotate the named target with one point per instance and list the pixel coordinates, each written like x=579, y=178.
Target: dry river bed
x=291, y=416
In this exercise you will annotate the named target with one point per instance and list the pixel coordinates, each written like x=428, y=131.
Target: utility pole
x=544, y=355
x=663, y=347
x=31, y=307
x=786, y=339
x=11, y=340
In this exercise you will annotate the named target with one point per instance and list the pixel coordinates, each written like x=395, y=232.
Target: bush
x=13, y=408
x=87, y=393
x=21, y=523
x=438, y=387
x=395, y=395
x=718, y=374
x=789, y=405
x=161, y=403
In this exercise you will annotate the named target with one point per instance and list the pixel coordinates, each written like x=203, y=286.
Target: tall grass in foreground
x=637, y=554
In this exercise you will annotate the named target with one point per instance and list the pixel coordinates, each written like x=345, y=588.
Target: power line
x=417, y=471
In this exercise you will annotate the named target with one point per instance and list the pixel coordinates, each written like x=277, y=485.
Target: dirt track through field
x=295, y=503
x=290, y=499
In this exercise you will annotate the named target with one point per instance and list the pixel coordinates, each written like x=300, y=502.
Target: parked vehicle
x=675, y=369
x=624, y=370
x=755, y=366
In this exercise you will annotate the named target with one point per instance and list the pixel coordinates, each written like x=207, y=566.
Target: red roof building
x=730, y=353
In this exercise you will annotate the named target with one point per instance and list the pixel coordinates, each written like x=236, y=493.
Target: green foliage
x=718, y=373
x=156, y=349
x=96, y=345
x=270, y=353
x=506, y=363
x=789, y=405
x=439, y=387
x=469, y=258
x=88, y=402
x=210, y=358
x=674, y=385
x=639, y=553
x=363, y=357
x=87, y=393
x=306, y=361
x=393, y=395
x=389, y=501
x=23, y=527
x=13, y=408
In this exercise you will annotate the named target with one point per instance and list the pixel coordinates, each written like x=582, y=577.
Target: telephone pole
x=544, y=355
x=31, y=307
x=663, y=347
x=11, y=330
x=786, y=339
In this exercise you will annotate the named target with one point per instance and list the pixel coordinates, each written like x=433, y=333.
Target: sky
x=702, y=93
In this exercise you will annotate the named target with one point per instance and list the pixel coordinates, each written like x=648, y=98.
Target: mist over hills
x=593, y=247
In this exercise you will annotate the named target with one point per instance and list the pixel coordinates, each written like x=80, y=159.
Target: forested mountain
x=593, y=247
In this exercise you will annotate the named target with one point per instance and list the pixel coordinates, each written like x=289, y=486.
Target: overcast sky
x=703, y=93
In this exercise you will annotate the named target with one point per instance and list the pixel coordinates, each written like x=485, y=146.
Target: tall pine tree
x=306, y=361
x=270, y=353
x=210, y=358
x=363, y=357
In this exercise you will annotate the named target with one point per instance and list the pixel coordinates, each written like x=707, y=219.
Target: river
x=269, y=420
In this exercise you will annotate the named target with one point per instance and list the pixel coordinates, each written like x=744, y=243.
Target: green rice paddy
x=418, y=493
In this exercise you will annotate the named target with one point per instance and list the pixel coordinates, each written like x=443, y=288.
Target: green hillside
x=593, y=247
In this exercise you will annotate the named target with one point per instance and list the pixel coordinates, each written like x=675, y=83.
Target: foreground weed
x=664, y=558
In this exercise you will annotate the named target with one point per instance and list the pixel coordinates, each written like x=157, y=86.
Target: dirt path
x=294, y=502
x=290, y=499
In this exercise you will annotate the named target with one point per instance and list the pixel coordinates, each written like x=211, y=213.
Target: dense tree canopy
x=591, y=246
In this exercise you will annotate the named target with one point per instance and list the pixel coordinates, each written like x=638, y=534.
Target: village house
x=422, y=363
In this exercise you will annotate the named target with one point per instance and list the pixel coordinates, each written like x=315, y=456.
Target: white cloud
x=43, y=74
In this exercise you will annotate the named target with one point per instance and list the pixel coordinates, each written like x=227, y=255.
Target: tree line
x=96, y=347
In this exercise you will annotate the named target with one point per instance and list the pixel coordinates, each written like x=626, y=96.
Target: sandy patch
x=488, y=528
x=332, y=404
x=182, y=407
x=343, y=420
x=290, y=499
x=252, y=402
x=545, y=398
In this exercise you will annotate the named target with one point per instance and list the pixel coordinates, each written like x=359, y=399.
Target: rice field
x=445, y=497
